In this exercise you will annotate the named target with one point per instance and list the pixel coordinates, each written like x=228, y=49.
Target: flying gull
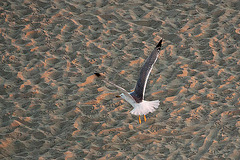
x=136, y=98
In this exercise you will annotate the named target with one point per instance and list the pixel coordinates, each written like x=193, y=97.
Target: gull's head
x=122, y=96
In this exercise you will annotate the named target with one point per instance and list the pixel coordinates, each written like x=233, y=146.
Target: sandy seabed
x=52, y=107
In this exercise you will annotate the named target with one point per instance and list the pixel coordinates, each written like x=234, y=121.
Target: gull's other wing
x=113, y=84
x=139, y=91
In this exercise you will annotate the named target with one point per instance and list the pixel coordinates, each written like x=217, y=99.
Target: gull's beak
x=118, y=96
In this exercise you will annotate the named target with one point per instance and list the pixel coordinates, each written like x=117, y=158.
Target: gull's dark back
x=138, y=93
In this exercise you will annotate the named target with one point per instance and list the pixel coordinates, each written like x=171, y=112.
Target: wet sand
x=52, y=107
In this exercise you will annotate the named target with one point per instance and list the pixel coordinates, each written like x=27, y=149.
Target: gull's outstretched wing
x=139, y=91
x=111, y=83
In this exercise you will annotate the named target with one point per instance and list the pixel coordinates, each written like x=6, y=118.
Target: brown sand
x=52, y=107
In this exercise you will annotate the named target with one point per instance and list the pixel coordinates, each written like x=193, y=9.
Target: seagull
x=136, y=98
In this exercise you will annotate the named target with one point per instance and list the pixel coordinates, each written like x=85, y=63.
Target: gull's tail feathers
x=145, y=107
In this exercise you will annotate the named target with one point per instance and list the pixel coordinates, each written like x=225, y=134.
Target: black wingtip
x=159, y=45
x=98, y=74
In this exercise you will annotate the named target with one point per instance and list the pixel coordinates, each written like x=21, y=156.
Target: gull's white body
x=142, y=108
